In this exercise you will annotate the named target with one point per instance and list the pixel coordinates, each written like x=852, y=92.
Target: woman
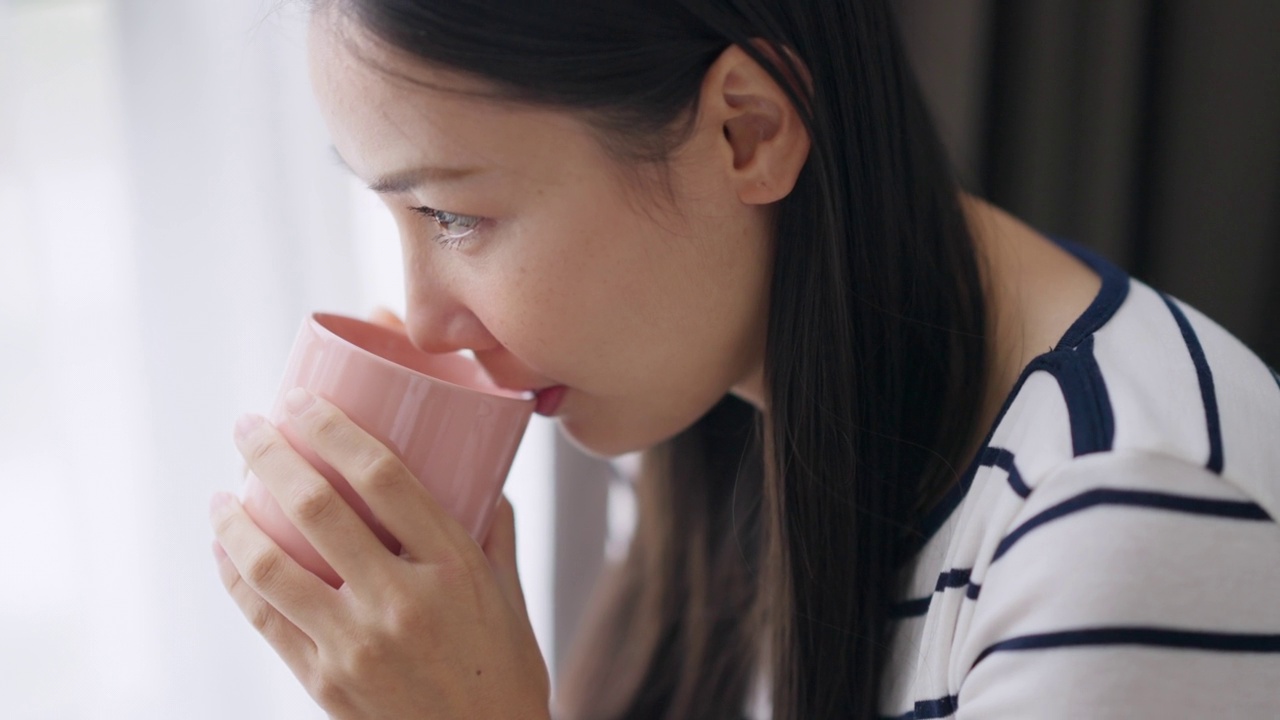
x=904, y=456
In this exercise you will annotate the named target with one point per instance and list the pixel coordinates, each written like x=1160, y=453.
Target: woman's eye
x=453, y=227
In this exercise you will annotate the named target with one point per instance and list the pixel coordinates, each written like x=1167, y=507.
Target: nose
x=437, y=321
x=437, y=325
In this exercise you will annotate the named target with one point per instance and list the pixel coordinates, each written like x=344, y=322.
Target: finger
x=262, y=567
x=313, y=504
x=399, y=501
x=295, y=647
x=386, y=318
x=500, y=547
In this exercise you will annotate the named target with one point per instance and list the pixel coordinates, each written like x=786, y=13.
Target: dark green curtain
x=1147, y=129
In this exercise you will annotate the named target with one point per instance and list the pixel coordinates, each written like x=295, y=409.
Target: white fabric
x=1144, y=574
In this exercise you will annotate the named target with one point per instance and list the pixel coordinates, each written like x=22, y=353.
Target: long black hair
x=774, y=537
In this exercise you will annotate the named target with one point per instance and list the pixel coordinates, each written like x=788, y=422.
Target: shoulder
x=1180, y=384
x=1128, y=584
x=1156, y=378
x=1111, y=515
x=1113, y=551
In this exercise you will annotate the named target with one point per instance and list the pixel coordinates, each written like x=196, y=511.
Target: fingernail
x=218, y=552
x=298, y=400
x=247, y=423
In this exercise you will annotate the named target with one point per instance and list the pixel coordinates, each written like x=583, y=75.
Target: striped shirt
x=1113, y=552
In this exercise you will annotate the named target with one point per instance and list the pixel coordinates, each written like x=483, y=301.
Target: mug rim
x=316, y=320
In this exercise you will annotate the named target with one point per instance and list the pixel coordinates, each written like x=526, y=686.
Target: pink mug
x=454, y=429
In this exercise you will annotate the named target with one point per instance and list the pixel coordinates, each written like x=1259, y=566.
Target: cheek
x=553, y=315
x=564, y=294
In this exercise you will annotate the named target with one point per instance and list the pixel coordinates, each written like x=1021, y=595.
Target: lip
x=549, y=399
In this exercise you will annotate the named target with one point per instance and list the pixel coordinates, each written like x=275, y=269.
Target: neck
x=1033, y=289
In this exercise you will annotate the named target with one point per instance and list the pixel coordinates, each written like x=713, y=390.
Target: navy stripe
x=1093, y=424
x=1003, y=459
x=1233, y=509
x=954, y=578
x=934, y=519
x=940, y=708
x=1114, y=290
x=1143, y=636
x=1207, y=394
x=989, y=457
x=910, y=608
x=1275, y=376
x=1112, y=294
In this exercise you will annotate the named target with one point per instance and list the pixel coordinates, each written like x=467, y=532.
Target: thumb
x=500, y=547
x=386, y=318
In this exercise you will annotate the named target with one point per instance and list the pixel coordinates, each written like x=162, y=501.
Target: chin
x=603, y=441
x=596, y=444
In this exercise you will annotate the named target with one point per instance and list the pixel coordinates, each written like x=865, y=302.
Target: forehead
x=386, y=109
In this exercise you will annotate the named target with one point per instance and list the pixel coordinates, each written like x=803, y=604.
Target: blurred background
x=1147, y=129
x=169, y=211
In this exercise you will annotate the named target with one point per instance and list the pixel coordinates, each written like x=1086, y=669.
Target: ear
x=765, y=143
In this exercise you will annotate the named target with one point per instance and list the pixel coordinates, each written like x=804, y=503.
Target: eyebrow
x=405, y=180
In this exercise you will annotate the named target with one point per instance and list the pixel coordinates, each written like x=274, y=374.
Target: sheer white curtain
x=168, y=213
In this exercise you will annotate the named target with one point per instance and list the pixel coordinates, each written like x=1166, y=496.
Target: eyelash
x=450, y=238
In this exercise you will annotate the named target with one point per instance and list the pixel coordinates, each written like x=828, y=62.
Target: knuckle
x=326, y=691
x=458, y=575
x=315, y=503
x=224, y=526
x=262, y=617
x=236, y=585
x=406, y=618
x=382, y=471
x=328, y=426
x=264, y=571
x=360, y=657
x=261, y=453
x=365, y=658
x=473, y=560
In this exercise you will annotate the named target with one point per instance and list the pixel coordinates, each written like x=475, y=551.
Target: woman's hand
x=440, y=631
x=387, y=319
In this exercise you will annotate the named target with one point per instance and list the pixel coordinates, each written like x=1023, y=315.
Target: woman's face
x=566, y=273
